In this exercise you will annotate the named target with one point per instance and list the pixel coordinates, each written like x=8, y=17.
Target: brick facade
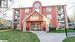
x=37, y=18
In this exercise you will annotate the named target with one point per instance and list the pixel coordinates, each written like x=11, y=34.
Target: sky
x=29, y=3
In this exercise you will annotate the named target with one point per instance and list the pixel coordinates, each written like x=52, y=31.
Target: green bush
x=9, y=27
x=52, y=29
x=3, y=28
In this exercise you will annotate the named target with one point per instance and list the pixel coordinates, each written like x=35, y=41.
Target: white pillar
x=12, y=25
x=66, y=19
x=24, y=26
x=47, y=27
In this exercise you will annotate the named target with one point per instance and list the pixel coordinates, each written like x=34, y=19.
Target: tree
x=7, y=8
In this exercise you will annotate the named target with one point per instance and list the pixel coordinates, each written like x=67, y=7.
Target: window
x=60, y=9
x=3, y=3
x=0, y=2
x=48, y=10
x=34, y=18
x=60, y=13
x=17, y=14
x=37, y=10
x=16, y=17
x=60, y=18
x=26, y=10
x=37, y=5
x=49, y=16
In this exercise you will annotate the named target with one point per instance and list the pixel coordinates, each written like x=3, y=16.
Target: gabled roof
x=32, y=14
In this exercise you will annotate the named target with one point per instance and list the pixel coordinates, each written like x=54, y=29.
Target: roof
x=29, y=3
x=39, y=14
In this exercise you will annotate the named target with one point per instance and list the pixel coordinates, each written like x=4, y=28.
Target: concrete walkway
x=49, y=37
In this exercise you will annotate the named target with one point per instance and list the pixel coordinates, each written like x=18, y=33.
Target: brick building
x=38, y=17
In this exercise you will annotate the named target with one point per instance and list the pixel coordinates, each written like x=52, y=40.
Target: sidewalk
x=49, y=37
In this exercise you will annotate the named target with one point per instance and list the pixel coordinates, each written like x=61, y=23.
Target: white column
x=66, y=19
x=12, y=25
x=24, y=26
x=47, y=27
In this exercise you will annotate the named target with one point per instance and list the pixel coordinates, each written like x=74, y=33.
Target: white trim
x=32, y=13
x=66, y=20
x=28, y=16
x=46, y=20
x=24, y=26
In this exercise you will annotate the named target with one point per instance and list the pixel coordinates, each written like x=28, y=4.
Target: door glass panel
x=35, y=26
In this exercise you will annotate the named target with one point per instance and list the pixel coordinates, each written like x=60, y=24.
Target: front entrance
x=35, y=26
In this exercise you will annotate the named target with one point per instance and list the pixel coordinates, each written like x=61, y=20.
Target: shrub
x=52, y=29
x=3, y=28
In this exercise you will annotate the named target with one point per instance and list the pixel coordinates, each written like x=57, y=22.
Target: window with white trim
x=37, y=10
x=48, y=10
x=17, y=14
x=3, y=3
x=33, y=18
x=26, y=10
x=60, y=15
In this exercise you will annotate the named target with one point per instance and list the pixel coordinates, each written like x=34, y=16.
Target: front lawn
x=18, y=36
x=69, y=39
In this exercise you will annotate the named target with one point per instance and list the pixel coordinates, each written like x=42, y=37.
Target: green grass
x=69, y=39
x=17, y=36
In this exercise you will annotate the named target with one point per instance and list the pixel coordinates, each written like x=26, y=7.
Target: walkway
x=49, y=37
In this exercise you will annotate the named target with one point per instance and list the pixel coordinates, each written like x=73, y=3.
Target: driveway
x=49, y=37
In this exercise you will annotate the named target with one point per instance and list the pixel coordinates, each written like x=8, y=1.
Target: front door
x=35, y=26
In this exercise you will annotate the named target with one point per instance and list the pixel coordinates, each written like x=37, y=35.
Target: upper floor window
x=3, y=3
x=60, y=13
x=34, y=18
x=48, y=10
x=0, y=2
x=26, y=10
x=60, y=9
x=37, y=10
x=17, y=12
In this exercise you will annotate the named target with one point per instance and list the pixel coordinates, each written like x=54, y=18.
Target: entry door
x=35, y=26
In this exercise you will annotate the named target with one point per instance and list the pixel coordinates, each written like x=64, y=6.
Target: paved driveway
x=49, y=37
